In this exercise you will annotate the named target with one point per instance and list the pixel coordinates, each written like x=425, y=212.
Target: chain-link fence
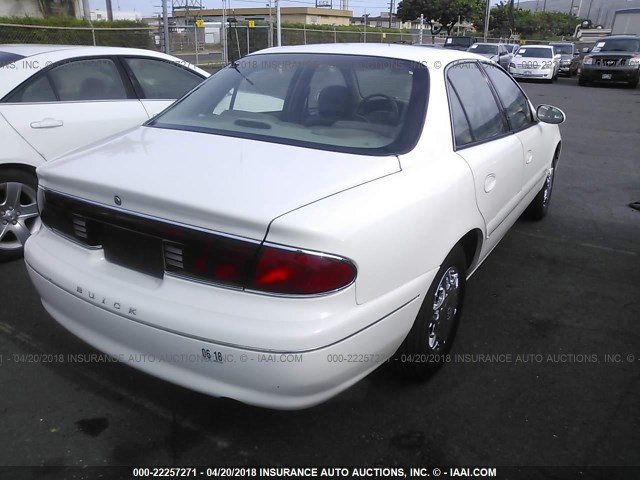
x=117, y=37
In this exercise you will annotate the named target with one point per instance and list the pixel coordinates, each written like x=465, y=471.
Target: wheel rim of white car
x=548, y=185
x=19, y=217
x=445, y=309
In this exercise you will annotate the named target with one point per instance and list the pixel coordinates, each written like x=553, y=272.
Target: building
x=98, y=14
x=381, y=20
x=306, y=15
x=40, y=8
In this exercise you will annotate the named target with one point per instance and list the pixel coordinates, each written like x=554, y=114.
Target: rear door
x=72, y=104
x=483, y=139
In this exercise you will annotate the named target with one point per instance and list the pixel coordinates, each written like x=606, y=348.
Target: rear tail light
x=297, y=272
x=269, y=268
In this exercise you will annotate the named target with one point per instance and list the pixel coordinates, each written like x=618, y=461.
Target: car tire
x=582, y=82
x=423, y=351
x=19, y=217
x=633, y=84
x=539, y=206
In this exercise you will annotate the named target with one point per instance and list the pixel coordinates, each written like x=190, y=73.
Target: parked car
x=569, y=57
x=296, y=221
x=535, y=62
x=459, y=42
x=54, y=99
x=614, y=59
x=494, y=51
x=512, y=47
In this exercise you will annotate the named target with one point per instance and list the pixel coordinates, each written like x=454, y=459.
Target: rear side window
x=94, y=79
x=482, y=112
x=162, y=80
x=37, y=90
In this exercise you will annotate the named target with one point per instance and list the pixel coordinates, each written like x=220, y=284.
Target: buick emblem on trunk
x=118, y=200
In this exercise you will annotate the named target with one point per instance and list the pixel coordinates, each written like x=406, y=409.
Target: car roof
x=404, y=52
x=29, y=50
x=623, y=37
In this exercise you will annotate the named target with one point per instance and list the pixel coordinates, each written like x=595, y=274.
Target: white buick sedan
x=56, y=98
x=298, y=220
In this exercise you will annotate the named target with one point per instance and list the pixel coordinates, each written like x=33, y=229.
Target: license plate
x=527, y=72
x=606, y=76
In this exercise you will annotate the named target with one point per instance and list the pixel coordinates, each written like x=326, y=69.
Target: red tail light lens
x=297, y=272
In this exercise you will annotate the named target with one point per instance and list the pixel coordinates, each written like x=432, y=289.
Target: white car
x=54, y=99
x=301, y=218
x=539, y=62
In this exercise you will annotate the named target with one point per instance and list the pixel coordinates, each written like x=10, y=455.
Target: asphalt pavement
x=545, y=370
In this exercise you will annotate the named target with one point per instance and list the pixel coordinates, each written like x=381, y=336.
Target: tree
x=444, y=12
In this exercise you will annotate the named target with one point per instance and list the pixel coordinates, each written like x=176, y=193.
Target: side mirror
x=550, y=114
x=585, y=50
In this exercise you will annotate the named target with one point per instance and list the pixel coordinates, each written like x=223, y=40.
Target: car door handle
x=489, y=182
x=529, y=157
x=47, y=123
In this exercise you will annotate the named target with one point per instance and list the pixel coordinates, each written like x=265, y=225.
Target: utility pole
x=365, y=25
x=390, y=12
x=544, y=6
x=487, y=16
x=512, y=26
x=279, y=26
x=86, y=10
x=421, y=27
x=571, y=8
x=109, y=11
x=165, y=28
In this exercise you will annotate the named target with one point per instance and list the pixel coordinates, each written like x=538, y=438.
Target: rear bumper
x=260, y=369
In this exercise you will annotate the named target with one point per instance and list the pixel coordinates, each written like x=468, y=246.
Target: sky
x=154, y=7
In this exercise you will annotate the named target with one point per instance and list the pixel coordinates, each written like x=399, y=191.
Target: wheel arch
x=471, y=244
x=26, y=168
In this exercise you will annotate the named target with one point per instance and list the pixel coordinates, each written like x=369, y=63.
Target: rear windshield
x=533, y=52
x=618, y=45
x=493, y=49
x=356, y=104
x=563, y=49
x=6, y=58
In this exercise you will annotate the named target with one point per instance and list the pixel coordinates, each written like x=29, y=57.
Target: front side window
x=482, y=112
x=513, y=100
x=162, y=80
x=93, y=79
x=358, y=104
x=563, y=49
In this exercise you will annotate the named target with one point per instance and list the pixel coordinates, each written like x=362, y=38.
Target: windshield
x=618, y=45
x=563, y=49
x=6, y=58
x=533, y=52
x=477, y=48
x=348, y=103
